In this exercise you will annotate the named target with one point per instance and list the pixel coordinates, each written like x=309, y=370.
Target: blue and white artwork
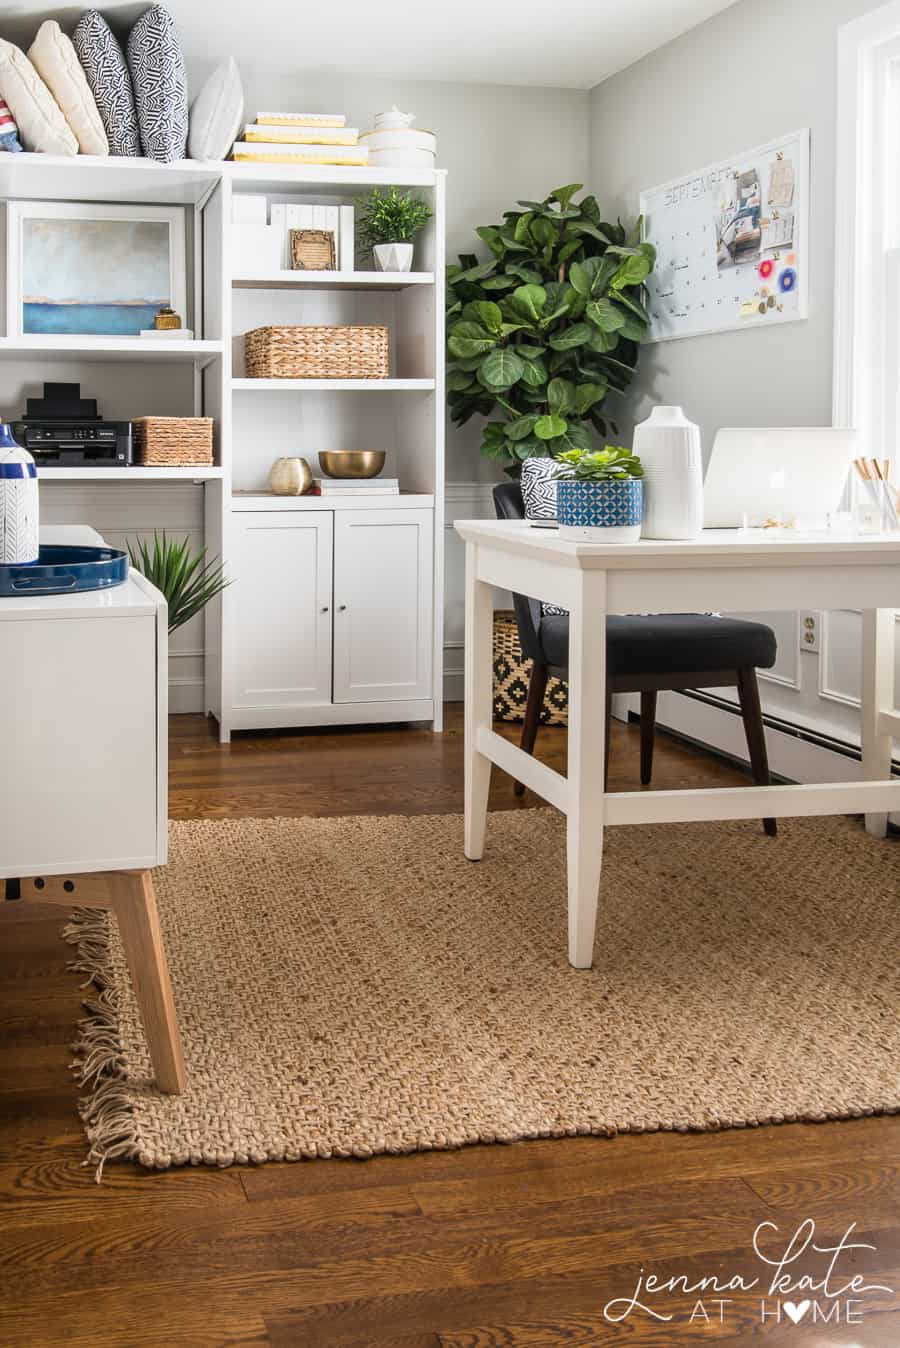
x=102, y=277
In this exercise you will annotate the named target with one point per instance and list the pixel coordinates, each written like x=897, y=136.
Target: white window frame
x=867, y=232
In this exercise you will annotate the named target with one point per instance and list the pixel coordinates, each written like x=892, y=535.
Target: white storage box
x=257, y=249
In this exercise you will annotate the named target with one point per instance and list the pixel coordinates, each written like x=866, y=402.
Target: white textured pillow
x=53, y=57
x=217, y=114
x=41, y=124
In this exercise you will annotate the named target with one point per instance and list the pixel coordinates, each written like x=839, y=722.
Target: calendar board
x=731, y=243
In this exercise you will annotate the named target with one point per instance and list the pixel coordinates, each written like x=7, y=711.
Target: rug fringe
x=99, y=1056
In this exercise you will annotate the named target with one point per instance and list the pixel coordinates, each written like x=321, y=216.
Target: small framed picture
x=85, y=269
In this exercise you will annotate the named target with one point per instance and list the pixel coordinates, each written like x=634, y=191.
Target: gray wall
x=754, y=72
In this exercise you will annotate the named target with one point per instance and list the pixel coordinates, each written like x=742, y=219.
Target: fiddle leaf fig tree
x=540, y=333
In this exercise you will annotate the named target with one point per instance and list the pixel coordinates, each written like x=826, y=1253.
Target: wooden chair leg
x=134, y=904
x=751, y=712
x=648, y=731
x=537, y=687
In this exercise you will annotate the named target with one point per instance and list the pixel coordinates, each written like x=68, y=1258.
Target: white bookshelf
x=403, y=414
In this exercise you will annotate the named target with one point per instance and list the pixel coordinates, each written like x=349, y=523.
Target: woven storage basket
x=511, y=675
x=171, y=442
x=317, y=353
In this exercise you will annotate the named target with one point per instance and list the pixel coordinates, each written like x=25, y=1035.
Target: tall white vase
x=668, y=446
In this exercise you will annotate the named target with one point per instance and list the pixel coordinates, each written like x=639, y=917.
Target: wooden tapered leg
x=648, y=731
x=751, y=712
x=537, y=687
x=134, y=904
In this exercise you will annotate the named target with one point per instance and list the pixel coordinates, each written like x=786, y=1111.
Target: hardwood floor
x=516, y=1245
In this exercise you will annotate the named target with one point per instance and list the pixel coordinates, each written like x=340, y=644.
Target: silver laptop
x=791, y=475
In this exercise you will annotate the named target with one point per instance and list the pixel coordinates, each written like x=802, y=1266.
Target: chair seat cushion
x=670, y=643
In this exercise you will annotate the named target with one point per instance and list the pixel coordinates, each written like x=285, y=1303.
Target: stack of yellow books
x=300, y=138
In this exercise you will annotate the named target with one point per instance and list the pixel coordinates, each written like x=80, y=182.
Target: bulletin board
x=731, y=243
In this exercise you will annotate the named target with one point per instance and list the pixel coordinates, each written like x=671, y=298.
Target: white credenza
x=331, y=611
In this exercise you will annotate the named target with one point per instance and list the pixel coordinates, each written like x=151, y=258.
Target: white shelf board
x=262, y=500
x=133, y=473
x=284, y=177
x=50, y=177
x=331, y=385
x=108, y=348
x=334, y=280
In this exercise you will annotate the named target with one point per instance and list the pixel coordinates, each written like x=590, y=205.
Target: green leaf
x=478, y=272
x=491, y=236
x=521, y=427
x=632, y=272
x=457, y=380
x=622, y=250
x=601, y=342
x=583, y=227
x=469, y=339
x=548, y=428
x=633, y=328
x=543, y=231
x=529, y=300
x=534, y=373
x=488, y=314
x=188, y=581
x=630, y=302
x=569, y=338
x=527, y=275
x=565, y=194
x=605, y=316
x=575, y=436
x=502, y=368
x=586, y=395
x=590, y=210
x=522, y=232
x=498, y=283
x=561, y=396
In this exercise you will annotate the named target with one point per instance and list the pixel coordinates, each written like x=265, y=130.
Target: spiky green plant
x=391, y=217
x=613, y=463
x=186, y=579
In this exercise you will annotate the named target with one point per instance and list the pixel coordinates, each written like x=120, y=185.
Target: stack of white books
x=300, y=138
x=358, y=486
x=336, y=220
x=262, y=234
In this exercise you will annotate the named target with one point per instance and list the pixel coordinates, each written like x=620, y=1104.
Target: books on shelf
x=301, y=119
x=271, y=152
x=358, y=486
x=285, y=216
x=302, y=135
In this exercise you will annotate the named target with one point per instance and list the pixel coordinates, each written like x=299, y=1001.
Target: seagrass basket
x=511, y=675
x=161, y=442
x=317, y=353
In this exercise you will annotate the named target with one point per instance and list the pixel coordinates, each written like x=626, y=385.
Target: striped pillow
x=160, y=85
x=109, y=81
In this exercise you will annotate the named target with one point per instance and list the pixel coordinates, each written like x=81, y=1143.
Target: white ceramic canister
x=18, y=502
x=668, y=446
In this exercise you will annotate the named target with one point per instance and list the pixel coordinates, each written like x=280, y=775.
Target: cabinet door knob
x=324, y=608
x=341, y=608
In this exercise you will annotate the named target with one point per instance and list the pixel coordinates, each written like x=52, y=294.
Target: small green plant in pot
x=389, y=222
x=186, y=579
x=599, y=495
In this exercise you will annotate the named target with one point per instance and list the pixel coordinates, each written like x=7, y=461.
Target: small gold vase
x=166, y=319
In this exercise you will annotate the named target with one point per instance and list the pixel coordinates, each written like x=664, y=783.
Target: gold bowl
x=351, y=462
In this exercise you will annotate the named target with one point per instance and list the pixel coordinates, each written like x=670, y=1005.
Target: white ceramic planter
x=393, y=256
x=668, y=446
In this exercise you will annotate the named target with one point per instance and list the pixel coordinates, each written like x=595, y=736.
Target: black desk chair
x=648, y=655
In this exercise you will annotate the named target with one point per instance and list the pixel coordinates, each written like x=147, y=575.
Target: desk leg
x=479, y=702
x=877, y=696
x=134, y=904
x=587, y=733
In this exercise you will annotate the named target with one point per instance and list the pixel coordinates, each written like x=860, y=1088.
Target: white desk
x=724, y=569
x=83, y=798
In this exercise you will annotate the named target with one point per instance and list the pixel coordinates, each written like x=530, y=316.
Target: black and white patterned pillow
x=538, y=484
x=108, y=79
x=156, y=62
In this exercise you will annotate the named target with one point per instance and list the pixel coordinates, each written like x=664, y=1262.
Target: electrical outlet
x=809, y=632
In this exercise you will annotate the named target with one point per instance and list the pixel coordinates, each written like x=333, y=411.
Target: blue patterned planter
x=600, y=512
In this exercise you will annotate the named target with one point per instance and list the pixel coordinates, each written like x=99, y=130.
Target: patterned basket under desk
x=307, y=352
x=511, y=676
x=172, y=442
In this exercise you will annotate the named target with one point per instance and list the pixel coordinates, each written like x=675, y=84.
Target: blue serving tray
x=62, y=569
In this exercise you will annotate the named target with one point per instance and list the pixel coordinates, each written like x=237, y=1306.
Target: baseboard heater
x=814, y=737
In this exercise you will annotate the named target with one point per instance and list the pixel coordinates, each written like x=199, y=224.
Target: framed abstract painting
x=84, y=269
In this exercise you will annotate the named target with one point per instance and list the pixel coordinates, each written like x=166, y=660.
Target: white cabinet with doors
x=332, y=613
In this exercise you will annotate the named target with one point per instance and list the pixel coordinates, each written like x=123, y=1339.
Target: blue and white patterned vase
x=600, y=512
x=18, y=502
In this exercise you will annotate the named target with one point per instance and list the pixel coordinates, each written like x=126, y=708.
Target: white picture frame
x=688, y=294
x=19, y=213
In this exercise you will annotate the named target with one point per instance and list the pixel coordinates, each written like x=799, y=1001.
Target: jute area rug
x=353, y=986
